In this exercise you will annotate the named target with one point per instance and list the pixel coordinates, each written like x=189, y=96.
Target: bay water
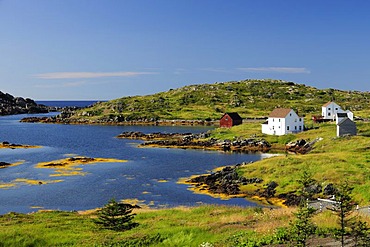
x=67, y=103
x=150, y=176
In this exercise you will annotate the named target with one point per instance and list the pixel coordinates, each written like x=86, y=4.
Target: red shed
x=230, y=119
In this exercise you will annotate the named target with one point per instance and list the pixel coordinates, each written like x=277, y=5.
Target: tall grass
x=166, y=227
x=221, y=226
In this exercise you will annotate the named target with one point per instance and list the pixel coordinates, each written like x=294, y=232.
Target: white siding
x=349, y=114
x=292, y=123
x=330, y=111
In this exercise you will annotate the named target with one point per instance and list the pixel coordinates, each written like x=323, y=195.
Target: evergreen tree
x=116, y=216
x=343, y=208
x=306, y=182
x=360, y=233
x=302, y=227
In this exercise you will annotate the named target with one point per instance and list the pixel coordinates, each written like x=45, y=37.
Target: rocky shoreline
x=227, y=183
x=63, y=118
x=14, y=146
x=197, y=141
x=202, y=141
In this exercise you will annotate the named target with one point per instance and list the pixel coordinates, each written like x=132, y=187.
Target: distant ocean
x=65, y=103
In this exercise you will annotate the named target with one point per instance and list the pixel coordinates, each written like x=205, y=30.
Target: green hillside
x=250, y=98
x=332, y=159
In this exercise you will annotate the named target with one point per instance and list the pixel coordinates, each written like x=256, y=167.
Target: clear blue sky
x=106, y=49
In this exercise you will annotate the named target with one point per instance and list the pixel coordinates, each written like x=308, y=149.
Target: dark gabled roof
x=280, y=112
x=342, y=114
x=234, y=115
x=349, y=121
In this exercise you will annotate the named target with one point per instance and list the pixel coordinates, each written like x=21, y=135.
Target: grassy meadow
x=216, y=225
x=162, y=227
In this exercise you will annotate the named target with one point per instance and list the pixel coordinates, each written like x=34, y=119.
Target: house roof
x=325, y=105
x=280, y=112
x=342, y=114
x=349, y=121
x=234, y=115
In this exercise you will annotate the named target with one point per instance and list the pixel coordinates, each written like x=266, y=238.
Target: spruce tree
x=303, y=227
x=360, y=233
x=116, y=216
x=306, y=182
x=343, y=208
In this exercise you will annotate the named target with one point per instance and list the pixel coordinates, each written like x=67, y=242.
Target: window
x=329, y=114
x=273, y=120
x=300, y=119
x=300, y=127
x=279, y=120
x=287, y=127
x=295, y=127
x=328, y=109
x=336, y=109
x=295, y=120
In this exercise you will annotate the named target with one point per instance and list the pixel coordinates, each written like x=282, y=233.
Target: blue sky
x=106, y=49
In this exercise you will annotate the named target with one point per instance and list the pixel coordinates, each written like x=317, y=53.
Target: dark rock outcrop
x=10, y=105
x=329, y=190
x=226, y=181
x=290, y=199
x=14, y=146
x=314, y=189
x=4, y=164
x=270, y=190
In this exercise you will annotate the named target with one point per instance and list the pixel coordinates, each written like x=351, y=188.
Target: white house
x=331, y=109
x=283, y=121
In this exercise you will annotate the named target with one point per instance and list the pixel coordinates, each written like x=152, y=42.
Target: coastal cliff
x=10, y=105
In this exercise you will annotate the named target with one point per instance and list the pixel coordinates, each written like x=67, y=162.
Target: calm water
x=64, y=103
x=139, y=178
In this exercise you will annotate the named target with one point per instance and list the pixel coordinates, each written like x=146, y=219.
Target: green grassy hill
x=250, y=98
x=332, y=160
